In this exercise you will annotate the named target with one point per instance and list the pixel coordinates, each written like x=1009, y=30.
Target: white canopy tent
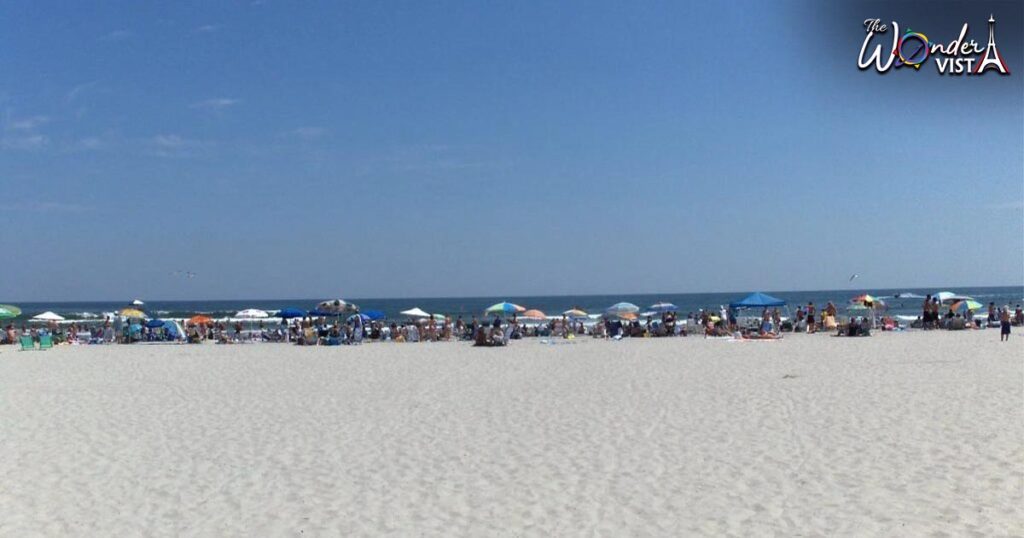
x=415, y=313
x=48, y=316
x=252, y=313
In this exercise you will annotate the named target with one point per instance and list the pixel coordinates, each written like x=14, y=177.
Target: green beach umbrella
x=9, y=311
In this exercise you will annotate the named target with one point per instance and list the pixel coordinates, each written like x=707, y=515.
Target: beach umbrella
x=628, y=316
x=8, y=311
x=252, y=313
x=858, y=307
x=374, y=315
x=364, y=317
x=415, y=313
x=504, y=308
x=337, y=306
x=865, y=298
x=48, y=316
x=289, y=313
x=574, y=313
x=155, y=323
x=966, y=304
x=619, y=309
x=136, y=302
x=534, y=314
x=200, y=320
x=131, y=313
x=944, y=296
x=664, y=307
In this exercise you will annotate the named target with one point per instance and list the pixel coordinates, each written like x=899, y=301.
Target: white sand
x=916, y=434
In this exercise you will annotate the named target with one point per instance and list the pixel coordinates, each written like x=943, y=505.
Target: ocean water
x=551, y=305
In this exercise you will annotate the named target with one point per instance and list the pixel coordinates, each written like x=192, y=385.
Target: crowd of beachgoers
x=339, y=323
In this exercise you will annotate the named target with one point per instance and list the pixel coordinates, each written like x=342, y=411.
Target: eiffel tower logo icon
x=992, y=58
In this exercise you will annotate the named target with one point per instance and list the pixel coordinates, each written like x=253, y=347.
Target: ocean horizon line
x=513, y=296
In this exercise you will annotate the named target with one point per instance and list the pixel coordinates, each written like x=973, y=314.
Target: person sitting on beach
x=1018, y=315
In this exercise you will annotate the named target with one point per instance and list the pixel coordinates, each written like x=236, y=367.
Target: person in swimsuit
x=926, y=313
x=1004, y=324
x=811, y=329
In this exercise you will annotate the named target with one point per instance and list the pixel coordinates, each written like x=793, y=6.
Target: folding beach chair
x=27, y=343
x=45, y=341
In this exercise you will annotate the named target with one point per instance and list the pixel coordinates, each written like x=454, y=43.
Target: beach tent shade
x=174, y=329
x=619, y=309
x=252, y=313
x=664, y=307
x=9, y=311
x=504, y=308
x=48, y=316
x=415, y=313
x=336, y=306
x=534, y=314
x=757, y=300
x=155, y=323
x=132, y=313
x=289, y=313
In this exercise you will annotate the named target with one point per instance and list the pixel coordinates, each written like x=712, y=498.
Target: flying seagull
x=853, y=277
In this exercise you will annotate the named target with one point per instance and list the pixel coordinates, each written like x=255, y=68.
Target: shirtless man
x=811, y=328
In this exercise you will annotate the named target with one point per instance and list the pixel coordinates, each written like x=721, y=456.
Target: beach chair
x=45, y=341
x=27, y=343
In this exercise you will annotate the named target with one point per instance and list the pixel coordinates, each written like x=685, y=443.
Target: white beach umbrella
x=137, y=302
x=252, y=313
x=415, y=313
x=48, y=316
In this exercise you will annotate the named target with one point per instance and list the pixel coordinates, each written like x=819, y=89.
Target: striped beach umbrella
x=964, y=305
x=8, y=311
x=131, y=313
x=534, y=314
x=574, y=313
x=664, y=307
x=504, y=308
x=620, y=309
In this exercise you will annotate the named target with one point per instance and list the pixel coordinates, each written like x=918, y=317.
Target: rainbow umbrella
x=504, y=308
x=964, y=305
x=9, y=311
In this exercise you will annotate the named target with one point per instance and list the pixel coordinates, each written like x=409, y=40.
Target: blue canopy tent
x=757, y=300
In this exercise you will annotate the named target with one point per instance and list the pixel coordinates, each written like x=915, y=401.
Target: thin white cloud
x=117, y=35
x=306, y=133
x=24, y=143
x=218, y=103
x=172, y=145
x=28, y=124
x=46, y=206
x=78, y=91
x=208, y=28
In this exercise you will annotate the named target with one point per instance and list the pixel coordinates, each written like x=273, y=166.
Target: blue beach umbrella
x=155, y=323
x=374, y=315
x=664, y=307
x=288, y=313
x=621, y=309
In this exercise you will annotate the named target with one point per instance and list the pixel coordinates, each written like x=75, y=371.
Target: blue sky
x=389, y=149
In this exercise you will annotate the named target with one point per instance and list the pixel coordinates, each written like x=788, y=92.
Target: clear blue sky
x=389, y=149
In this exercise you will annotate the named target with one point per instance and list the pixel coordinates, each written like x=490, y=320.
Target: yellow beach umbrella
x=132, y=313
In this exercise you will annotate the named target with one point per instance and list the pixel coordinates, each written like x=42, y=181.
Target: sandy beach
x=916, y=434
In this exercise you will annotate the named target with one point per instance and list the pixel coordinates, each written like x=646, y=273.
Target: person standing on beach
x=811, y=328
x=926, y=313
x=1004, y=324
